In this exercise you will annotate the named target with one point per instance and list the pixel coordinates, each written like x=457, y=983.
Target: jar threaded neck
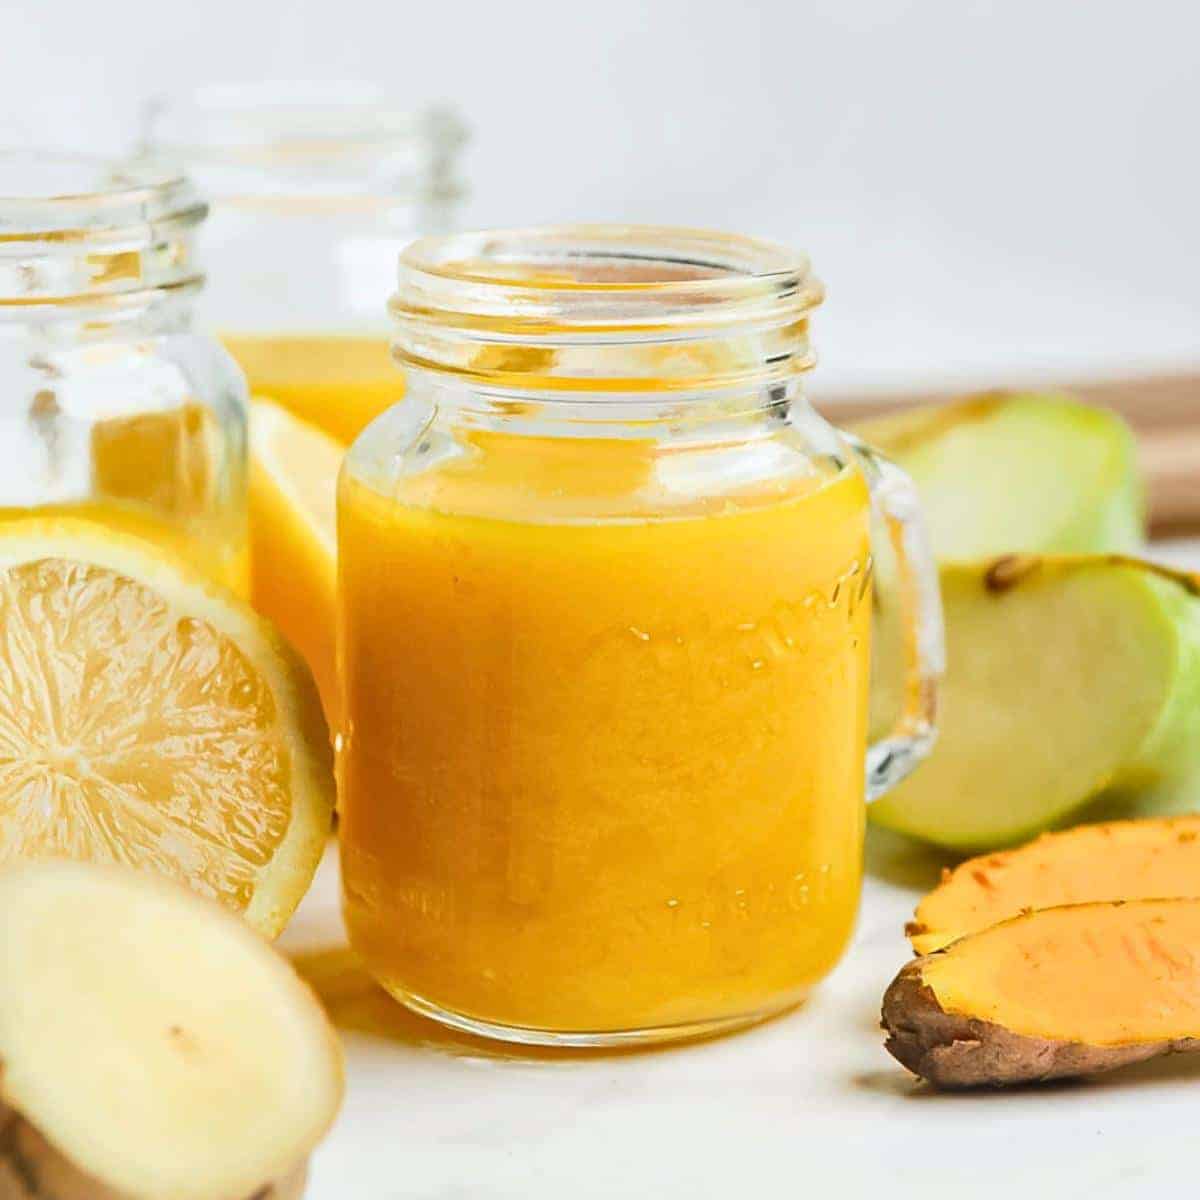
x=605, y=309
x=80, y=231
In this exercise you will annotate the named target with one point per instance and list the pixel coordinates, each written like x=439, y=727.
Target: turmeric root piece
x=152, y=1045
x=1061, y=992
x=1120, y=860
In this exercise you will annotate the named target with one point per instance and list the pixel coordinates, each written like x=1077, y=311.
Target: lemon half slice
x=148, y=717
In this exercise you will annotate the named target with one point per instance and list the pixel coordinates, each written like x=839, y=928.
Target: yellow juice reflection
x=337, y=382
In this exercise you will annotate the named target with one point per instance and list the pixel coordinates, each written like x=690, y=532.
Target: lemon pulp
x=149, y=719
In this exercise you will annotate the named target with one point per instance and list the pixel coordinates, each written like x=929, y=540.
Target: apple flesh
x=1007, y=473
x=1070, y=680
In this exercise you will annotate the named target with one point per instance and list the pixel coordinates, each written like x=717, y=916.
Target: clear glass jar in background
x=112, y=405
x=604, y=628
x=315, y=188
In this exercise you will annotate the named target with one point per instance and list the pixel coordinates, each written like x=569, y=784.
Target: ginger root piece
x=1061, y=992
x=152, y=1045
x=1119, y=860
x=31, y=1167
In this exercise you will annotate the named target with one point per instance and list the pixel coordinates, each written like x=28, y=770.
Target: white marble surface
x=808, y=1104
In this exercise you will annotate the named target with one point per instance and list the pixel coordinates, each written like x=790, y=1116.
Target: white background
x=989, y=187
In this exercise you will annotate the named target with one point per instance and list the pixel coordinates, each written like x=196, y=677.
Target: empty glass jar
x=315, y=189
x=114, y=406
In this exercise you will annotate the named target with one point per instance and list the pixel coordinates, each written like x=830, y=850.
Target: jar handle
x=911, y=738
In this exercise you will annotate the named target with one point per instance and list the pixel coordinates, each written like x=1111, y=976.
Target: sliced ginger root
x=1120, y=860
x=1066, y=991
x=152, y=1046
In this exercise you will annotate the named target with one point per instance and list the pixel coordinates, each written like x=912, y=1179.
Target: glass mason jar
x=605, y=609
x=315, y=188
x=115, y=408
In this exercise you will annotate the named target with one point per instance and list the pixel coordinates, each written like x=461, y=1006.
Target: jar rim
x=67, y=197
x=621, y=308
x=583, y=259
x=312, y=120
x=82, y=232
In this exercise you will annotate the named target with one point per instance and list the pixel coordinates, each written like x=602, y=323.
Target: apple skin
x=1018, y=473
x=1008, y=478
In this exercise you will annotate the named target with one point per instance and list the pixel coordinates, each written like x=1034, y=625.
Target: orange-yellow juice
x=603, y=759
x=337, y=382
x=166, y=476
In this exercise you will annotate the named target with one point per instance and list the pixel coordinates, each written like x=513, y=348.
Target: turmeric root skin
x=953, y=1051
x=1061, y=992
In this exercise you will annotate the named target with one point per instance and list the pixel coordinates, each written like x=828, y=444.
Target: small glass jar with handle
x=604, y=626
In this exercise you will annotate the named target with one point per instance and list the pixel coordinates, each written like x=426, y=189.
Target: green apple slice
x=1010, y=472
x=1068, y=678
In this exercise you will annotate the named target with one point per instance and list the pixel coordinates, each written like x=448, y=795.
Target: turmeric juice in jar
x=315, y=188
x=115, y=407
x=604, y=619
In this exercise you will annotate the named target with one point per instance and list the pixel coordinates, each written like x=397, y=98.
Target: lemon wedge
x=149, y=717
x=293, y=523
